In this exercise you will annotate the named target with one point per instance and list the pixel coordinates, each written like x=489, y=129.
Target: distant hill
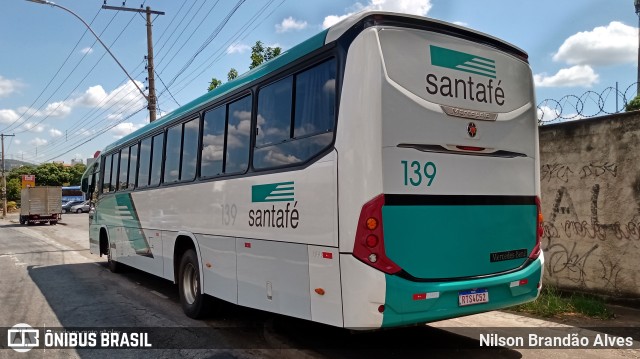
x=11, y=164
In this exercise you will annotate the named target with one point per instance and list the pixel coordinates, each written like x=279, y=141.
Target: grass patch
x=552, y=303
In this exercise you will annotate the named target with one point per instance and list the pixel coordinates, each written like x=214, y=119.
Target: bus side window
x=238, y=136
x=123, y=181
x=313, y=118
x=172, y=154
x=133, y=164
x=106, y=178
x=190, y=135
x=145, y=163
x=156, y=160
x=212, y=152
x=115, y=162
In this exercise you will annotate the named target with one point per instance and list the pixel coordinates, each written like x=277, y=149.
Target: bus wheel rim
x=190, y=283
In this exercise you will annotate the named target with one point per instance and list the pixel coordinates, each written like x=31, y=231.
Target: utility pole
x=4, y=178
x=46, y=2
x=636, y=4
x=152, y=100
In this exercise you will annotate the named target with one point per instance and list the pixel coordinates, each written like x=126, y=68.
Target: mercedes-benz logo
x=472, y=130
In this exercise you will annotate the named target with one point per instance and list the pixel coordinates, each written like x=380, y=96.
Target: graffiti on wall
x=587, y=241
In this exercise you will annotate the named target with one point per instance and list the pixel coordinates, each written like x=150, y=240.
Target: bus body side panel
x=94, y=237
x=250, y=207
x=133, y=245
x=280, y=216
x=358, y=142
x=364, y=290
x=274, y=276
x=219, y=267
x=324, y=285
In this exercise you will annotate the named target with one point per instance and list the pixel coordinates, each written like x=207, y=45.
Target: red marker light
x=420, y=296
x=372, y=241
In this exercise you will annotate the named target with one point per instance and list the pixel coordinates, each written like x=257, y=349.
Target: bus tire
x=113, y=265
x=191, y=298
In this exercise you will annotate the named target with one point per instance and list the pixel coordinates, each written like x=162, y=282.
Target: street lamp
x=45, y=2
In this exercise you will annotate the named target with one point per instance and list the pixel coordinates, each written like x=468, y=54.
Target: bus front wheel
x=191, y=298
x=114, y=266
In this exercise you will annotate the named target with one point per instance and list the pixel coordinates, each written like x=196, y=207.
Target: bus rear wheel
x=191, y=298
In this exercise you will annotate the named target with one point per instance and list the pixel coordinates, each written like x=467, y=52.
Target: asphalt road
x=49, y=279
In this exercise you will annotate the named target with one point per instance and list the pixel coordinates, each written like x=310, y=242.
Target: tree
x=51, y=174
x=633, y=105
x=233, y=73
x=271, y=53
x=14, y=186
x=259, y=54
x=75, y=173
x=18, y=172
x=214, y=84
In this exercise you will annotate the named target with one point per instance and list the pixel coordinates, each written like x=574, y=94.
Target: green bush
x=12, y=206
x=633, y=105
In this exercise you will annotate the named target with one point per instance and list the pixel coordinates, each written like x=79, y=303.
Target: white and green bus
x=384, y=172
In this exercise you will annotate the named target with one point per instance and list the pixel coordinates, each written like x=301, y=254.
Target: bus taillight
x=535, y=253
x=369, y=243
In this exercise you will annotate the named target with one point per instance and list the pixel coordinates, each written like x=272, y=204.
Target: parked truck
x=41, y=204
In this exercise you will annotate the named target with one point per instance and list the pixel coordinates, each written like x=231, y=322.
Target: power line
x=167, y=89
x=60, y=103
x=57, y=72
x=193, y=32
x=62, y=83
x=179, y=23
x=97, y=135
x=219, y=52
x=60, y=142
x=206, y=43
x=123, y=109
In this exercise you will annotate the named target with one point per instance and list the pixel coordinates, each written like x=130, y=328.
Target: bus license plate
x=470, y=297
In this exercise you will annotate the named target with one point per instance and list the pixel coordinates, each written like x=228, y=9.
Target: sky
x=65, y=98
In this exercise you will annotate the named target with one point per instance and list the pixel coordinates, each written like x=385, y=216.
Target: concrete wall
x=590, y=178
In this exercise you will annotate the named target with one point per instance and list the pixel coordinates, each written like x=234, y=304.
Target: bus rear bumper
x=408, y=302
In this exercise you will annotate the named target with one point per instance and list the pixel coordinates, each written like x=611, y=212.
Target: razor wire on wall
x=590, y=104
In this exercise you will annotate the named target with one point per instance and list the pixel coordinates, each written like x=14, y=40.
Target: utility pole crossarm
x=107, y=7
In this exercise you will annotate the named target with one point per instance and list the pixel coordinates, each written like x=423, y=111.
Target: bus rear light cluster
x=369, y=242
x=535, y=253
